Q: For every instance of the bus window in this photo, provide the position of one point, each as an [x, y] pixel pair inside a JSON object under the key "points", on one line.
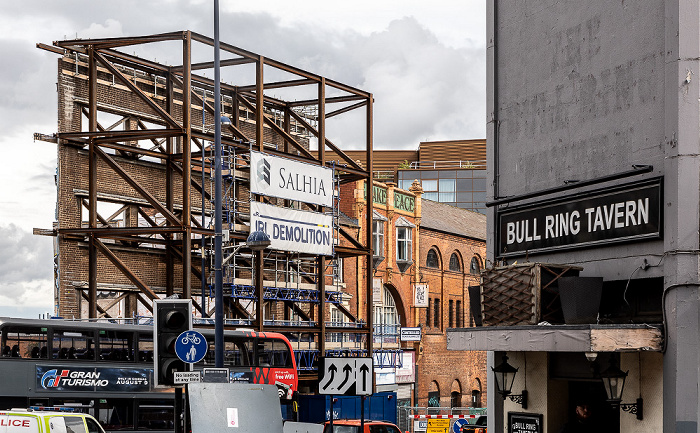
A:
{"points": [[238, 352], [146, 347], [115, 346], [156, 415], [24, 342], [117, 415], [73, 344], [273, 353]]}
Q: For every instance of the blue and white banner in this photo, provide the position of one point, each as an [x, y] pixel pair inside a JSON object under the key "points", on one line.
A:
{"points": [[289, 179], [293, 230]]}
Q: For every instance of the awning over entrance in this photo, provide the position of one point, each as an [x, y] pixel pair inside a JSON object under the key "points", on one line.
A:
{"points": [[558, 338]]}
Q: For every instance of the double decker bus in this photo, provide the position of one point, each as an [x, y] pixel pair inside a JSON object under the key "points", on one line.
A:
{"points": [[106, 369]]}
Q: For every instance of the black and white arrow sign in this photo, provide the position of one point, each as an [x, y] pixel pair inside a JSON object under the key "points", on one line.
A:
{"points": [[351, 376]]}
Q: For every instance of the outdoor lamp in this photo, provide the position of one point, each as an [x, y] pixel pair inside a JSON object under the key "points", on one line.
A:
{"points": [[258, 241], [614, 382], [505, 376]]}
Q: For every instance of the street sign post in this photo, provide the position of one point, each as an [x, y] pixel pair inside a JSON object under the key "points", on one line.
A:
{"points": [[183, 377], [410, 334], [191, 346], [347, 376], [438, 425]]}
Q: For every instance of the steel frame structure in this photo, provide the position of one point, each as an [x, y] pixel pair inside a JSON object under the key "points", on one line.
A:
{"points": [[167, 125]]}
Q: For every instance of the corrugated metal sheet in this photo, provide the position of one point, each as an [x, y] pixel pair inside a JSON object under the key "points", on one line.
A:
{"points": [[385, 160], [453, 150]]}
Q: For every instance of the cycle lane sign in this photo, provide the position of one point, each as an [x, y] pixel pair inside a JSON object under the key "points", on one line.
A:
{"points": [[190, 346]]}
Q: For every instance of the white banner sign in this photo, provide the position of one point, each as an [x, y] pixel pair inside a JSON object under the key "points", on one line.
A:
{"points": [[420, 295], [289, 179], [293, 230]]}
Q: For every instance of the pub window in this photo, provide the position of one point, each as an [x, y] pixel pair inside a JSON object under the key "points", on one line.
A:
{"points": [[455, 266], [475, 266], [436, 312], [378, 222], [432, 260], [404, 238]]}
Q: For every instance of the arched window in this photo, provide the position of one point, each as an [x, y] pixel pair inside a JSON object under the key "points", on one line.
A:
{"points": [[434, 395], [475, 266], [432, 260], [455, 266]]}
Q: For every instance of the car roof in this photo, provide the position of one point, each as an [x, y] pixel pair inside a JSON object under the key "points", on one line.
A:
{"points": [[357, 422]]}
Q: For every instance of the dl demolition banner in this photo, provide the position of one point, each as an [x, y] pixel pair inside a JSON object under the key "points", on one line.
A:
{"points": [[293, 230]]}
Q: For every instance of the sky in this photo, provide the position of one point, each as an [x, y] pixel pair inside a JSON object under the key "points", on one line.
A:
{"points": [[408, 54]]}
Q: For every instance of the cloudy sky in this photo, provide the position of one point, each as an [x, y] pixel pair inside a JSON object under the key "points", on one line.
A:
{"points": [[408, 53]]}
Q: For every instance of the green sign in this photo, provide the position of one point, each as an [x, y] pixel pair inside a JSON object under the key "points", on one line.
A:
{"points": [[404, 202], [378, 194]]}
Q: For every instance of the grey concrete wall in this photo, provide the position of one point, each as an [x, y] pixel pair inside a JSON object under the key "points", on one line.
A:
{"points": [[579, 90]]}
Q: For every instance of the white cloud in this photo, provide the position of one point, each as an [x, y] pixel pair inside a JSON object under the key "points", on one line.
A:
{"points": [[423, 62]]}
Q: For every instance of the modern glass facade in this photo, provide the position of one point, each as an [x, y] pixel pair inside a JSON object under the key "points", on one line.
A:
{"points": [[463, 188]]}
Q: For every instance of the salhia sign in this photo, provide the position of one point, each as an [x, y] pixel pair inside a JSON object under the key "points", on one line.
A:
{"points": [[628, 212], [289, 179], [293, 230]]}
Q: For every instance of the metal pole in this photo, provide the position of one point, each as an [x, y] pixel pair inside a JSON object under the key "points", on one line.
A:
{"points": [[218, 275], [204, 216]]}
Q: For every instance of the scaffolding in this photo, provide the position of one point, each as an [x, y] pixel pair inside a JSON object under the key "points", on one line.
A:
{"points": [[135, 134]]}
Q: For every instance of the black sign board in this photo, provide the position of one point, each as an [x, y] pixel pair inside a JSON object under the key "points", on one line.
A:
{"points": [[625, 213], [68, 378], [524, 422], [215, 375]]}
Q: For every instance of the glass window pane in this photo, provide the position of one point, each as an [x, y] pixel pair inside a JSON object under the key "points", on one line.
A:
{"points": [[479, 196], [447, 185], [429, 174], [480, 184], [70, 344], [447, 174], [464, 174], [74, 424], [464, 197], [116, 346], [430, 185], [431, 196], [25, 342], [464, 185], [446, 197]]}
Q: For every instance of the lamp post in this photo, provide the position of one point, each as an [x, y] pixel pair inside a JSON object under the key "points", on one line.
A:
{"points": [[505, 376]]}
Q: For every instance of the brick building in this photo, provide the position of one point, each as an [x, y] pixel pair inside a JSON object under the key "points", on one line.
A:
{"points": [[436, 247]]}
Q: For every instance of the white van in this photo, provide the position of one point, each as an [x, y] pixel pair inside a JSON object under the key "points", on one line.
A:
{"points": [[47, 421]]}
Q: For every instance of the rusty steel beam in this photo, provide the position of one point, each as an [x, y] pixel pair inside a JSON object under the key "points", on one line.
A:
{"points": [[147, 99], [104, 43], [355, 168], [187, 167], [333, 100], [125, 270], [92, 183], [279, 85], [346, 109], [210, 65], [134, 184]]}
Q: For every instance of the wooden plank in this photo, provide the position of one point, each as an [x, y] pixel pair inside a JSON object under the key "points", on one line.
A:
{"points": [[621, 340]]}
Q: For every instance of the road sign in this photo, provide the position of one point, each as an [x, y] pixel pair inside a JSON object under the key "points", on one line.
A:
{"points": [[457, 426], [191, 346], [340, 374], [182, 377], [410, 334], [438, 425], [420, 424], [215, 375]]}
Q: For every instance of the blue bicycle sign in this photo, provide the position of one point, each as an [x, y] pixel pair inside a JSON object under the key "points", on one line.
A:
{"points": [[191, 346]]}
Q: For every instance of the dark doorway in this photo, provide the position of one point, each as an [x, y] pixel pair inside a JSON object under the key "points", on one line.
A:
{"points": [[605, 418]]}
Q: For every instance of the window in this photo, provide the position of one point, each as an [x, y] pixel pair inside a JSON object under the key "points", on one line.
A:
{"points": [[427, 313], [338, 270], [378, 238], [455, 266], [436, 312], [432, 261], [434, 399], [386, 319], [378, 221], [475, 266], [459, 314], [451, 312], [404, 240]]}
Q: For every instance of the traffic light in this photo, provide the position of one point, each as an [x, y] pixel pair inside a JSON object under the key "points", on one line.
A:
{"points": [[171, 317]]}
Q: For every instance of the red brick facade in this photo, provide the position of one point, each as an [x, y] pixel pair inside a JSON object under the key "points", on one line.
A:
{"points": [[459, 378]]}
